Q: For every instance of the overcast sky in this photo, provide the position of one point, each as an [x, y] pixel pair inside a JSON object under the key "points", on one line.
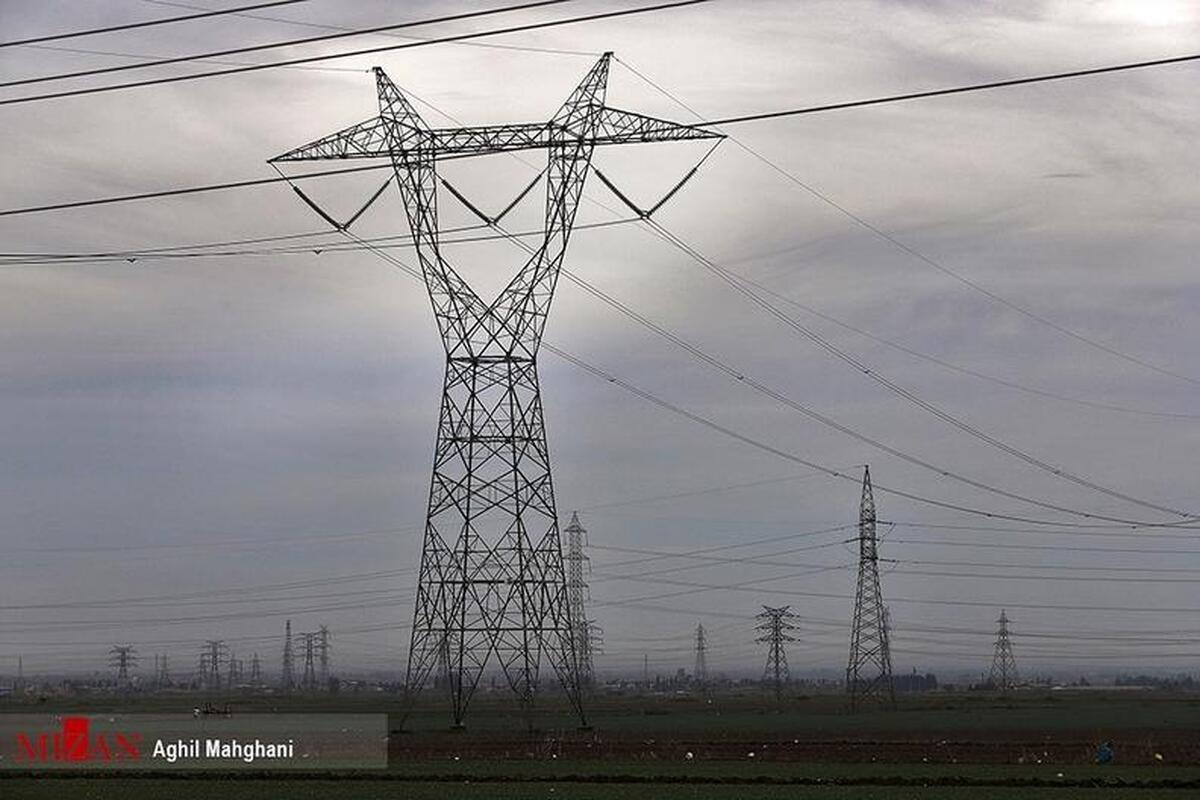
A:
{"points": [[172, 427]]}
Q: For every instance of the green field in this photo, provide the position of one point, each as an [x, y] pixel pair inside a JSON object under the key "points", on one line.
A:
{"points": [[742, 745]]}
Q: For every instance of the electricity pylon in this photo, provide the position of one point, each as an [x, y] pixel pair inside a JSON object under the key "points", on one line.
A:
{"points": [[1004, 667], [255, 672], [288, 674], [121, 658], [581, 627], [492, 582], [776, 627], [869, 674], [309, 680], [323, 648], [700, 674], [210, 663]]}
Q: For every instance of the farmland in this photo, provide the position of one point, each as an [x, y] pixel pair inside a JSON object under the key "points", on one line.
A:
{"points": [[1036, 744]]}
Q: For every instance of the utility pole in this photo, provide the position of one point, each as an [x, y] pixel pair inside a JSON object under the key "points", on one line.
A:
{"points": [[577, 589], [19, 685], [255, 672], [1004, 667], [776, 627], [323, 656], [492, 578], [700, 675], [121, 658], [163, 677], [869, 673], [288, 674]]}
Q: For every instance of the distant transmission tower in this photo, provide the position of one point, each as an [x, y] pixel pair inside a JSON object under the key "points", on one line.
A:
{"points": [[776, 627], [1004, 667], [581, 627], [163, 677], [700, 675], [210, 663], [122, 658], [309, 682], [255, 671], [869, 674], [492, 579], [323, 648], [288, 673]]}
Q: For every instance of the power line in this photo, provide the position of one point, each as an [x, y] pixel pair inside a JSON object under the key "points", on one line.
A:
{"points": [[725, 430], [974, 87], [920, 256], [147, 23], [256, 48], [370, 50], [739, 376], [732, 280], [323, 173], [317, 25]]}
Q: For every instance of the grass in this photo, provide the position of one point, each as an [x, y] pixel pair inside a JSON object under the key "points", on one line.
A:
{"points": [[124, 789]]}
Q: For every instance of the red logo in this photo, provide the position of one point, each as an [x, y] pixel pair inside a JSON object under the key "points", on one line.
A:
{"points": [[75, 742]]}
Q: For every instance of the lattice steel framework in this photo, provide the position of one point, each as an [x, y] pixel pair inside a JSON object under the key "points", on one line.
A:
{"points": [[776, 626], [492, 583], [122, 657], [287, 674], [1004, 674], [581, 626], [869, 673], [700, 672]]}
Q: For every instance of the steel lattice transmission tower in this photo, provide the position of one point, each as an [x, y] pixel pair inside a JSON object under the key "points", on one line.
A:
{"points": [[211, 657], [577, 591], [121, 658], [492, 582], [700, 674], [288, 674], [1004, 667], [776, 627], [869, 673], [255, 672], [309, 680], [323, 648]]}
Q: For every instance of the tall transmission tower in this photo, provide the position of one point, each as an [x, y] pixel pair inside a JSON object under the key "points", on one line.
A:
{"points": [[121, 658], [163, 678], [323, 648], [255, 672], [288, 673], [577, 590], [210, 663], [19, 683], [1004, 667], [776, 627], [700, 675], [492, 579], [309, 681], [869, 673], [233, 674]]}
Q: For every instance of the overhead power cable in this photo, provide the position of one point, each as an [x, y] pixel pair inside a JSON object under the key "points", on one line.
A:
{"points": [[732, 280], [263, 181], [366, 51], [258, 48], [323, 26], [953, 90], [919, 255], [712, 425], [53, 37]]}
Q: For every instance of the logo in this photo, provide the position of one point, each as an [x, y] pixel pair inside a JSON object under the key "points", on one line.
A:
{"points": [[76, 743]]}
